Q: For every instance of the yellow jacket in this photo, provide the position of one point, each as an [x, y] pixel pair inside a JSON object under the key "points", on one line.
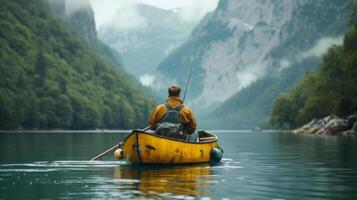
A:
{"points": [[186, 114]]}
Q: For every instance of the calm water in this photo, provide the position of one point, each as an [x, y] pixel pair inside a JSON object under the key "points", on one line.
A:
{"points": [[255, 166]]}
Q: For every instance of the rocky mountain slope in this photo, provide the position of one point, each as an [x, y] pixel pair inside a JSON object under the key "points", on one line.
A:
{"points": [[144, 45], [247, 52]]}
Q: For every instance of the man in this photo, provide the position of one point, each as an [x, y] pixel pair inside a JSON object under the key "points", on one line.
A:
{"points": [[173, 119]]}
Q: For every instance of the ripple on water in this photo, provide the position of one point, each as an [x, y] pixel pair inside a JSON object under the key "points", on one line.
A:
{"points": [[49, 166]]}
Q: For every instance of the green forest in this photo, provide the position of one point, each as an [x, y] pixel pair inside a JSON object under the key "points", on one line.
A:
{"points": [[52, 79], [330, 90]]}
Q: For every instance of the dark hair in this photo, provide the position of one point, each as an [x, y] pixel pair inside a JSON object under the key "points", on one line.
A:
{"points": [[174, 90]]}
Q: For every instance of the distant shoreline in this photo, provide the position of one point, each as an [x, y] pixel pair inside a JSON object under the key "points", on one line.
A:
{"points": [[65, 131], [120, 131]]}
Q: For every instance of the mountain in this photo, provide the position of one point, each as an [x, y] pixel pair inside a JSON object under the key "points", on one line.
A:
{"points": [[251, 106], [79, 16], [52, 77], [330, 90], [247, 52], [143, 44]]}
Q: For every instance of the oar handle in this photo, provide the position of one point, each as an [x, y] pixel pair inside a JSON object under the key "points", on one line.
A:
{"points": [[145, 129]]}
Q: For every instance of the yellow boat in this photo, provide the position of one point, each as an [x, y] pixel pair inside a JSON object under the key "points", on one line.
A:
{"points": [[149, 148]]}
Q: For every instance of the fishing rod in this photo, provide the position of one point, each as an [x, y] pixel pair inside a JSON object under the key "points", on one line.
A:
{"points": [[188, 81]]}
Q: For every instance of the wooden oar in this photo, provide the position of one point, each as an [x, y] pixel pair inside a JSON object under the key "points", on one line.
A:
{"points": [[113, 147], [107, 151]]}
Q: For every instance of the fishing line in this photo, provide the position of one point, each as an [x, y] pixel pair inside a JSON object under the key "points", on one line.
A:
{"points": [[188, 81]]}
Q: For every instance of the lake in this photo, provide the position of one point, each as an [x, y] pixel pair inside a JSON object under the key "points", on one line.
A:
{"points": [[255, 166]]}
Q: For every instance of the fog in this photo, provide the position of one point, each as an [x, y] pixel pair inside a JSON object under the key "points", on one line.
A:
{"points": [[123, 14], [316, 51], [322, 46], [72, 6], [147, 79]]}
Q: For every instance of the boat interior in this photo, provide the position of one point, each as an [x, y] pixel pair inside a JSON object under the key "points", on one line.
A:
{"points": [[206, 137], [203, 135]]}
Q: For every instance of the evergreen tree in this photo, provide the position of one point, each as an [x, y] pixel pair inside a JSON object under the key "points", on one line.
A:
{"points": [[331, 90], [51, 78]]}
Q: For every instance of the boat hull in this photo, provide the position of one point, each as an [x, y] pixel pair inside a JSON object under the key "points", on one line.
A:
{"points": [[148, 148]]}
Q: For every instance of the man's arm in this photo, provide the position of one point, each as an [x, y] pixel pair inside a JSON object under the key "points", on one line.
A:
{"points": [[156, 115], [189, 119], [152, 118], [193, 123]]}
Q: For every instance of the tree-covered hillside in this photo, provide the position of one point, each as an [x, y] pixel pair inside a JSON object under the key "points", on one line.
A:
{"points": [[329, 90], [250, 107], [82, 21], [51, 78]]}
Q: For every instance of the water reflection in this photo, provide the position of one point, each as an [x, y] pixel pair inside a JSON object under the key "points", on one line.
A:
{"points": [[255, 166], [178, 181], [333, 151]]}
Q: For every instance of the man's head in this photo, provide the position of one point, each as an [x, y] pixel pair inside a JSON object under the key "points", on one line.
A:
{"points": [[174, 90]]}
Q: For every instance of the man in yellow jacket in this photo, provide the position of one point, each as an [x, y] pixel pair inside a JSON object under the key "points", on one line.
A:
{"points": [[174, 119]]}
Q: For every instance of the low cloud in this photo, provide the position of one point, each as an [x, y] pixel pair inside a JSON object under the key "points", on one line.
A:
{"points": [[171, 48], [316, 51], [70, 6], [124, 15], [245, 78], [147, 79], [321, 47], [197, 9], [118, 14], [284, 63], [73, 6]]}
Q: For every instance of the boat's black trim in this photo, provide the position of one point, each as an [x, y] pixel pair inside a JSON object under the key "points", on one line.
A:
{"points": [[138, 147]]}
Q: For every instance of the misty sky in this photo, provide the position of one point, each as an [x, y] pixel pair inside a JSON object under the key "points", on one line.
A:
{"points": [[106, 11]]}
